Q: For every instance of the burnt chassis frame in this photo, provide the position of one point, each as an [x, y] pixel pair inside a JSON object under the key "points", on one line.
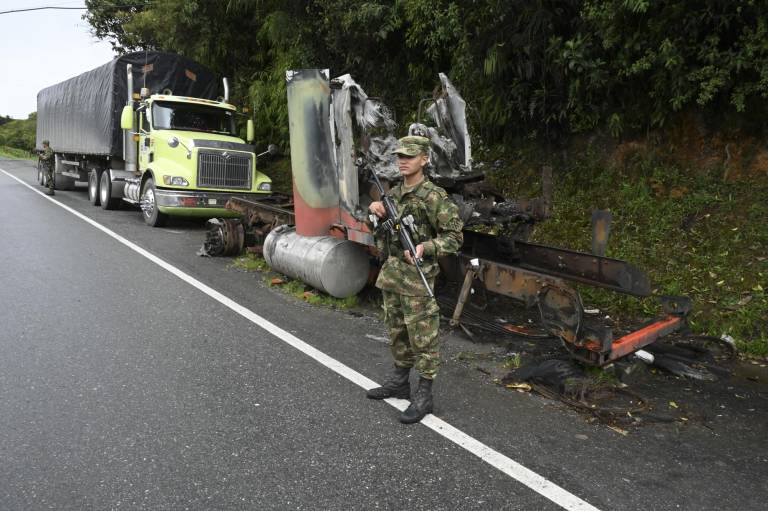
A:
{"points": [[560, 308], [534, 275]]}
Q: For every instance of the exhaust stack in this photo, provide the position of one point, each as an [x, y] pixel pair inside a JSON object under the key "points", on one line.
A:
{"points": [[129, 146]]}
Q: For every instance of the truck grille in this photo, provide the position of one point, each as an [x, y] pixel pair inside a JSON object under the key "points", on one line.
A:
{"points": [[223, 170]]}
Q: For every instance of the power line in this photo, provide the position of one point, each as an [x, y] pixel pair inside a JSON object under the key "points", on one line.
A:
{"points": [[53, 7], [42, 9]]}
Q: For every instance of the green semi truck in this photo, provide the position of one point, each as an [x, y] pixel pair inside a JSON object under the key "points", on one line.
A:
{"points": [[150, 129]]}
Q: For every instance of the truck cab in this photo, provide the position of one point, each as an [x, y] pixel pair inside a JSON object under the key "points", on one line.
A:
{"points": [[190, 160]]}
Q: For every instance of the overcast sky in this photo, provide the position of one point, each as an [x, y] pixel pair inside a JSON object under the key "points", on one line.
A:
{"points": [[41, 48]]}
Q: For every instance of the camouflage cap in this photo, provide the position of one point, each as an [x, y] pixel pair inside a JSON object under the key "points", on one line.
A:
{"points": [[45, 142], [412, 146]]}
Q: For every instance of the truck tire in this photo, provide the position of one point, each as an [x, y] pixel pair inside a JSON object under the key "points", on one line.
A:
{"points": [[63, 182], [94, 177], [40, 174], [105, 192], [152, 215], [60, 181]]}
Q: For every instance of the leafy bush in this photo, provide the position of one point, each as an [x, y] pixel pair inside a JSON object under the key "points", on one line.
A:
{"points": [[19, 134]]}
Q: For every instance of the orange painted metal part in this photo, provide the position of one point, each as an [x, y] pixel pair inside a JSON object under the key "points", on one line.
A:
{"points": [[313, 221], [645, 336], [351, 222]]}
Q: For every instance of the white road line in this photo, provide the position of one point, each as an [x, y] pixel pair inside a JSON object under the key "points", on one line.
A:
{"points": [[515, 470]]}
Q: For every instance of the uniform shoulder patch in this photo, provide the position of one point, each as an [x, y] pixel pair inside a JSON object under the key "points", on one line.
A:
{"points": [[430, 188]]}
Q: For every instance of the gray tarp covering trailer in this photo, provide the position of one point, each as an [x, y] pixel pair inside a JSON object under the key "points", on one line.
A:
{"points": [[82, 115]]}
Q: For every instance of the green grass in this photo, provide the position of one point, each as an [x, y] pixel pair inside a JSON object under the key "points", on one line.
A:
{"points": [[12, 152], [512, 362], [600, 375], [253, 263], [692, 233]]}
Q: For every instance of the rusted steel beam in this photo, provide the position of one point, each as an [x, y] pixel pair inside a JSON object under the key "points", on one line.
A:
{"points": [[599, 351], [614, 274], [511, 281], [273, 211], [645, 336]]}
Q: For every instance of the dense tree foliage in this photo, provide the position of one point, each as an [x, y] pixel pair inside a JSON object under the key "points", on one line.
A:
{"points": [[649, 59], [541, 68]]}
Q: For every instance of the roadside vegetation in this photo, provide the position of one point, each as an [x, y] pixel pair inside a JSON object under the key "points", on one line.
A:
{"points": [[13, 152], [693, 232], [252, 263], [17, 137]]}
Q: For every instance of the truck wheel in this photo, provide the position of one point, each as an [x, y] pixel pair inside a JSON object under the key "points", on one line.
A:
{"points": [[40, 174], [152, 215], [105, 192], [93, 187]]}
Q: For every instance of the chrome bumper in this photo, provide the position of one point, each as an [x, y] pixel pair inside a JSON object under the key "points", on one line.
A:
{"points": [[196, 199]]}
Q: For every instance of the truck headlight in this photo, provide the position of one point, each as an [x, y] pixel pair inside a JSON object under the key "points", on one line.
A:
{"points": [[175, 181], [265, 187]]}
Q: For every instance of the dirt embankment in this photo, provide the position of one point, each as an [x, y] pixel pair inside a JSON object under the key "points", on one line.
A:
{"points": [[690, 143]]}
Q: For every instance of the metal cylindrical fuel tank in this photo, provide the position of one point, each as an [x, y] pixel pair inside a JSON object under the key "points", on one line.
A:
{"points": [[335, 266]]}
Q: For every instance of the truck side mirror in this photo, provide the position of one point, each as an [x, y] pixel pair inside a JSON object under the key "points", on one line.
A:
{"points": [[272, 150], [126, 118], [249, 132]]}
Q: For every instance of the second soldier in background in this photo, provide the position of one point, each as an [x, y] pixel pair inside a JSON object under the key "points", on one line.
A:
{"points": [[46, 161]]}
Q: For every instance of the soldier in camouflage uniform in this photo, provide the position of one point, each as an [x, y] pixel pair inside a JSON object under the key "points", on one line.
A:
{"points": [[411, 316], [46, 160]]}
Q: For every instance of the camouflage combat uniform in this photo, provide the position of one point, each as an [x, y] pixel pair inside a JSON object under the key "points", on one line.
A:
{"points": [[411, 316], [47, 162]]}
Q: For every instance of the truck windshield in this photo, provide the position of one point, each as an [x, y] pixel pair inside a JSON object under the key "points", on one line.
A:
{"points": [[189, 117]]}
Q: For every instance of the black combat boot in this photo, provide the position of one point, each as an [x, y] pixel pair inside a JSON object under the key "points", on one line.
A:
{"points": [[396, 386], [421, 404], [49, 191]]}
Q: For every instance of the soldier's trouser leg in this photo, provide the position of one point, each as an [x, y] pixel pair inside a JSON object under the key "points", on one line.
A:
{"points": [[399, 344], [413, 323], [422, 317], [49, 178]]}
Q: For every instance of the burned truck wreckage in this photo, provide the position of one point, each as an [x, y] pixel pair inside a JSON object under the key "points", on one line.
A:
{"points": [[339, 136]]}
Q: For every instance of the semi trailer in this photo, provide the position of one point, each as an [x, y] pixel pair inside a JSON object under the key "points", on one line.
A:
{"points": [[150, 129]]}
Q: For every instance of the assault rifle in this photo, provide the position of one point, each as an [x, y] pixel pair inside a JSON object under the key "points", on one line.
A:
{"points": [[401, 227]]}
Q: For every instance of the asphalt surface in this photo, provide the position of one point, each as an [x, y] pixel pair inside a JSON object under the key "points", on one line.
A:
{"points": [[123, 387]]}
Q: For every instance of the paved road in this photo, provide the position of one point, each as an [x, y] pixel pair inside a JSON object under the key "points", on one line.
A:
{"points": [[123, 386]]}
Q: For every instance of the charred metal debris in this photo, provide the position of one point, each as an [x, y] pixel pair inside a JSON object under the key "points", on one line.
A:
{"points": [[339, 136]]}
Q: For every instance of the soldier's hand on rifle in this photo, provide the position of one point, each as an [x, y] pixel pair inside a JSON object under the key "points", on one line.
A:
{"points": [[419, 254], [377, 208]]}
